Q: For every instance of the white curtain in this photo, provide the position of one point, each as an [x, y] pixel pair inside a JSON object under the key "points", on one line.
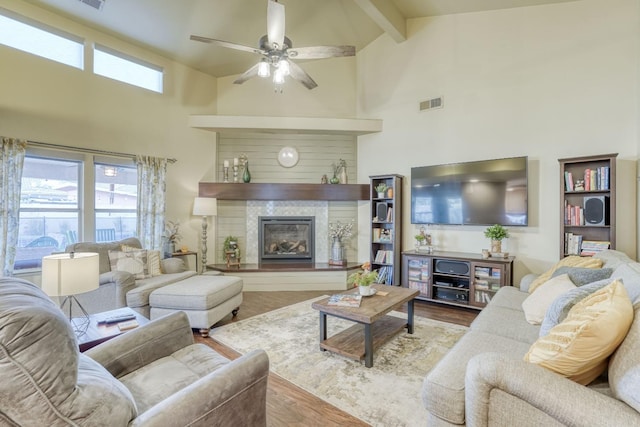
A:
{"points": [[11, 161], [152, 173]]}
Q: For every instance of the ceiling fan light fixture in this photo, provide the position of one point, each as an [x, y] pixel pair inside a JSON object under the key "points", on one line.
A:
{"points": [[278, 77], [283, 67], [264, 70]]}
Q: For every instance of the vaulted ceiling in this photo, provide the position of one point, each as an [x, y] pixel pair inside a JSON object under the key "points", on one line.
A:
{"points": [[164, 26]]}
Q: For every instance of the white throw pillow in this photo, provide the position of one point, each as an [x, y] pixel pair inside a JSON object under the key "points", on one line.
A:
{"points": [[153, 259], [134, 262], [537, 303]]}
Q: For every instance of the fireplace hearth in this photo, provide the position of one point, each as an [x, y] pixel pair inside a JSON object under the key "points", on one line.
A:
{"points": [[286, 239]]}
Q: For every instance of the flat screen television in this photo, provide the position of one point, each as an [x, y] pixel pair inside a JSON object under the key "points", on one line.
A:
{"points": [[484, 192]]}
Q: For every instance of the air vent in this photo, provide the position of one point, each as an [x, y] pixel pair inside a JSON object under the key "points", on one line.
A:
{"points": [[96, 4], [430, 104]]}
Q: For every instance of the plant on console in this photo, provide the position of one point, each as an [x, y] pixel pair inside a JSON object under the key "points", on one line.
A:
{"points": [[496, 233]]}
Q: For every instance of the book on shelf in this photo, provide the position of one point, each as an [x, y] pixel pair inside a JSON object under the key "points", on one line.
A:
{"points": [[573, 215], [345, 300], [384, 257], [389, 214], [568, 181], [596, 179], [592, 247], [385, 275], [572, 243]]}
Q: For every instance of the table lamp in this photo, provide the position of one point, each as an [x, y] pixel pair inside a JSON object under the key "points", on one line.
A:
{"points": [[67, 275], [205, 206]]}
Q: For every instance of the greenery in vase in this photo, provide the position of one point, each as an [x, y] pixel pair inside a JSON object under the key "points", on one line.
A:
{"points": [[172, 232], [340, 230], [496, 232], [363, 277], [420, 238], [381, 188]]}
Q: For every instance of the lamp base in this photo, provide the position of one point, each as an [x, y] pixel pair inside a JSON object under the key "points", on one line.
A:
{"points": [[79, 324]]}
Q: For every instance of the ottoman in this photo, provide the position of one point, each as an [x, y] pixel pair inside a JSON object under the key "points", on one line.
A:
{"points": [[205, 299]]}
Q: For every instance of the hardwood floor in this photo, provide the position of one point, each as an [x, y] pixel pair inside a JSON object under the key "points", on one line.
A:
{"points": [[289, 405]]}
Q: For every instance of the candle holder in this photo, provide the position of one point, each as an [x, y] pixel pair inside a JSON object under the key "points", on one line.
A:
{"points": [[225, 177], [235, 173]]}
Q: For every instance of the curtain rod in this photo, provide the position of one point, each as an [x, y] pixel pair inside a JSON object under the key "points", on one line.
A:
{"points": [[86, 150]]}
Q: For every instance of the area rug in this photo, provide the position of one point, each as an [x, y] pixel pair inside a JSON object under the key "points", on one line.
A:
{"points": [[388, 394]]}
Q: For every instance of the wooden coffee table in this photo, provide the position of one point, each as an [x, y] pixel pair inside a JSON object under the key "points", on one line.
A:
{"points": [[370, 316], [98, 332]]}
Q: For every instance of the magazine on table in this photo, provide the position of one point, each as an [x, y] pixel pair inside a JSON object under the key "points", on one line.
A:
{"points": [[345, 300]]}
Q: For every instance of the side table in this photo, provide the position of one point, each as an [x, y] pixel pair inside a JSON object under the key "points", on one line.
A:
{"points": [[99, 333], [181, 254]]}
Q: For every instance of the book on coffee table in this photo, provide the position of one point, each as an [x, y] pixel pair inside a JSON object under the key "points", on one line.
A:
{"points": [[345, 300]]}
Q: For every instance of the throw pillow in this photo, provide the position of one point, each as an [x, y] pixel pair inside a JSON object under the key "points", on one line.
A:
{"points": [[560, 307], [134, 262], [581, 276], [537, 303], [570, 261], [578, 347], [153, 259]]}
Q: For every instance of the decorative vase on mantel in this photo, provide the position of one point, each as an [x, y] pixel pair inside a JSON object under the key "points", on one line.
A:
{"points": [[496, 246], [246, 176], [337, 252]]}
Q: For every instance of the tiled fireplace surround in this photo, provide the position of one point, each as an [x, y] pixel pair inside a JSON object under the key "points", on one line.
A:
{"points": [[317, 209]]}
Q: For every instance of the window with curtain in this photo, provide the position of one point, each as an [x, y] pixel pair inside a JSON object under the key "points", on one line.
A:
{"points": [[68, 197], [116, 198], [50, 203]]}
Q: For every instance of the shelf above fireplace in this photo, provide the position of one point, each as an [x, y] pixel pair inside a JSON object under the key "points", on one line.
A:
{"points": [[262, 191]]}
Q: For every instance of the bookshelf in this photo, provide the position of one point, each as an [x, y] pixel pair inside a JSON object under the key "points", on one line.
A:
{"points": [[587, 204], [386, 227]]}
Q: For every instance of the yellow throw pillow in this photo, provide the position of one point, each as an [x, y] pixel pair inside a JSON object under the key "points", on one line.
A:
{"points": [[536, 304], [578, 347], [570, 261]]}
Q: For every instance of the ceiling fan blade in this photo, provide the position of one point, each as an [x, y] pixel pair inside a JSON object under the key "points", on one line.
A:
{"points": [[300, 75], [320, 52], [275, 23], [251, 72], [228, 44]]}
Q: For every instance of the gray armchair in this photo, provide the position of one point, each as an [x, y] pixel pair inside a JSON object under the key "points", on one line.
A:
{"points": [[151, 376]]}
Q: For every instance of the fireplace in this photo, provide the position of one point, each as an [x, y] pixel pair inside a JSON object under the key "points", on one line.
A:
{"points": [[286, 239]]}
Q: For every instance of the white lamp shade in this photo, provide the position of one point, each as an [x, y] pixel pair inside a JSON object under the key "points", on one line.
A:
{"points": [[70, 273], [205, 206]]}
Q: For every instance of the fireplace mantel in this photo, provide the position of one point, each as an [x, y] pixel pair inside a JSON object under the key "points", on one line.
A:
{"points": [[263, 191]]}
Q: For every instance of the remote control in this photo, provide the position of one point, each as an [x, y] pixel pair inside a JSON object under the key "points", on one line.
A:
{"points": [[116, 319]]}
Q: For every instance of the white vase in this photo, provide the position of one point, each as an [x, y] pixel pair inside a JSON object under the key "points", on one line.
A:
{"points": [[337, 250], [365, 290]]}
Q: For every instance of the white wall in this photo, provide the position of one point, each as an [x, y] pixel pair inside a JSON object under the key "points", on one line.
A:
{"points": [[546, 82], [45, 101]]}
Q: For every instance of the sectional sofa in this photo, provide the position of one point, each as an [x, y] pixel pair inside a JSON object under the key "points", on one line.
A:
{"points": [[120, 288], [484, 380]]}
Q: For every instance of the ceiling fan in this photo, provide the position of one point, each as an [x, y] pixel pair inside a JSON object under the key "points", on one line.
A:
{"points": [[277, 51]]}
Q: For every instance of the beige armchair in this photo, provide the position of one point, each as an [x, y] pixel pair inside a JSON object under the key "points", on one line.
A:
{"points": [[151, 376]]}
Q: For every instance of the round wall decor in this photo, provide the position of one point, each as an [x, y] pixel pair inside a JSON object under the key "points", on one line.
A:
{"points": [[288, 157]]}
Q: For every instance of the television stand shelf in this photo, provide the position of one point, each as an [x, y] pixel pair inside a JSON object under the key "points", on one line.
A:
{"points": [[456, 278]]}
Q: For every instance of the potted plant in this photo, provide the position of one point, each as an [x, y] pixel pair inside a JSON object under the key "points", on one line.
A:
{"points": [[496, 233], [363, 279], [380, 189]]}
